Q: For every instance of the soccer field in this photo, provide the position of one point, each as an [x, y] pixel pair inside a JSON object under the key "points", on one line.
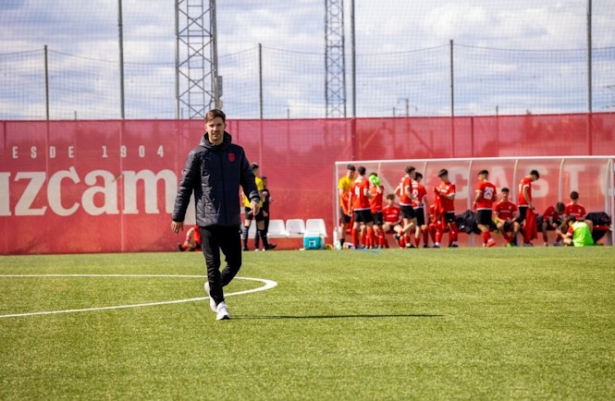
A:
{"points": [[423, 324]]}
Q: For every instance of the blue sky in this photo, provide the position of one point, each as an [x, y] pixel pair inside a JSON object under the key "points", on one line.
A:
{"points": [[393, 65]]}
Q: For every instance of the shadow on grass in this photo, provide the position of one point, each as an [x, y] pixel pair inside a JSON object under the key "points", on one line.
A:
{"points": [[247, 317]]}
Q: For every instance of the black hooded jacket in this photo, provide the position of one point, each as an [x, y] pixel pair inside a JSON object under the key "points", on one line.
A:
{"points": [[214, 174]]}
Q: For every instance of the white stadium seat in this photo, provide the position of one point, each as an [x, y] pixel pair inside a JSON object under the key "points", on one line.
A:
{"points": [[295, 228]]}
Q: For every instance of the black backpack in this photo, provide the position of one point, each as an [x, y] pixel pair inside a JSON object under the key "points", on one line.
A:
{"points": [[466, 222], [599, 219]]}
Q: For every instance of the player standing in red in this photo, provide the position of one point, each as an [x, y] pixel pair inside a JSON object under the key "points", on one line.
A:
{"points": [[359, 199], [574, 208], [404, 191], [375, 234], [391, 215], [420, 205], [551, 220], [445, 194], [526, 207], [435, 227], [483, 203], [343, 188], [506, 218]]}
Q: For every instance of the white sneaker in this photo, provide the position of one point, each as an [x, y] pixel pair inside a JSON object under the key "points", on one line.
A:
{"points": [[212, 303], [222, 312]]}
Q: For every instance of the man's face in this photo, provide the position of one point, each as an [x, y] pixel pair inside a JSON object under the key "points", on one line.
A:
{"points": [[390, 201], [350, 173], [505, 196], [215, 130]]}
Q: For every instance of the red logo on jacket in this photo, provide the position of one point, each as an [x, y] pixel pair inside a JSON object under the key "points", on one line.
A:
{"points": [[231, 157]]}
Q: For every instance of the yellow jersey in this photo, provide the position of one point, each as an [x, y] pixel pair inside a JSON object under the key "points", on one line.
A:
{"points": [[344, 184], [260, 187]]}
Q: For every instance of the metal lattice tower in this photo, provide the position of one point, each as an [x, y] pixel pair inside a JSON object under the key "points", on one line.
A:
{"points": [[335, 59], [198, 87]]}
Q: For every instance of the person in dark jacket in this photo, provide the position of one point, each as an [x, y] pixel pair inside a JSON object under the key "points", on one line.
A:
{"points": [[214, 171]]}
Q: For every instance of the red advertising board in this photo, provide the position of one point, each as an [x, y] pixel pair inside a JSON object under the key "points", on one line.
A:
{"points": [[109, 186]]}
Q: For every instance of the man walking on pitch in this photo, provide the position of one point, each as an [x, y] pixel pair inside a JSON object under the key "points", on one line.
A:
{"points": [[214, 171]]}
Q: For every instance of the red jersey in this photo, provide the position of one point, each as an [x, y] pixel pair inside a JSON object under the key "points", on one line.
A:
{"points": [[404, 199], [446, 188], [375, 202], [487, 193], [419, 192], [505, 210], [551, 213], [358, 194], [525, 183], [578, 211], [391, 214]]}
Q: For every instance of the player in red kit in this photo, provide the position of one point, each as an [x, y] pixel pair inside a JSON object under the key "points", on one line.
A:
{"points": [[505, 213], [524, 203], [375, 234], [404, 191], [435, 226], [420, 205], [551, 220], [359, 200], [483, 203], [391, 215], [574, 208], [445, 194]]}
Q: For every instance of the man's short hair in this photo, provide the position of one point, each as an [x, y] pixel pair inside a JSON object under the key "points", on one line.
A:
{"points": [[570, 219], [574, 195], [391, 196], [253, 166], [211, 114], [350, 167], [418, 175], [410, 169], [264, 177], [560, 207], [485, 172], [361, 170], [442, 172], [505, 189], [535, 172]]}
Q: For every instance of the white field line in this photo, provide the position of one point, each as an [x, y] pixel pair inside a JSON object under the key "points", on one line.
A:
{"points": [[269, 284]]}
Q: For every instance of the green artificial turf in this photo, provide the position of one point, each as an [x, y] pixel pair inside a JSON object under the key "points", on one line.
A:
{"points": [[424, 324]]}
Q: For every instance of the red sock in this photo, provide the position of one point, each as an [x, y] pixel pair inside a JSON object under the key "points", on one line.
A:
{"points": [[425, 235], [438, 236], [402, 241], [381, 239], [558, 238], [453, 233], [545, 238], [417, 241], [355, 237]]}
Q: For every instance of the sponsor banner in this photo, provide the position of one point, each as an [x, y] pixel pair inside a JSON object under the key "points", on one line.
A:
{"points": [[109, 186]]}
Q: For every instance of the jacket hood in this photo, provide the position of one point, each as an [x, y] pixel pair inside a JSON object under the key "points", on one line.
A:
{"points": [[227, 139]]}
